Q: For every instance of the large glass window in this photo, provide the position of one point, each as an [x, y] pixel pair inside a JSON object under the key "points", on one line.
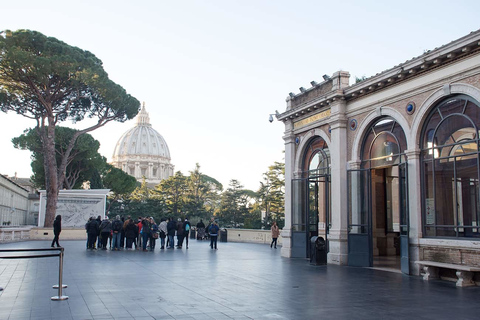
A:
{"points": [[450, 170], [384, 144]]}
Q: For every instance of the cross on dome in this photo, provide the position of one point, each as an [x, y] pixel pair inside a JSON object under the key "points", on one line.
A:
{"points": [[142, 118]]}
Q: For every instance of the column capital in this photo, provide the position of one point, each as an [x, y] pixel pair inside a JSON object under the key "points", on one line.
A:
{"points": [[413, 154]]}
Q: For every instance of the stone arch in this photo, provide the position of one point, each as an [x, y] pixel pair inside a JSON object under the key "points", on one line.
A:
{"points": [[432, 100], [371, 117], [304, 143]]}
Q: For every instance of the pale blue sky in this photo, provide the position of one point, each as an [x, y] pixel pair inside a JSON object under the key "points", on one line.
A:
{"points": [[211, 72]]}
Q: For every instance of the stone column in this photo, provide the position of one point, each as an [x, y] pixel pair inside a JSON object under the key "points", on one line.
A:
{"points": [[150, 170], [138, 173], [414, 208], [286, 234], [338, 247]]}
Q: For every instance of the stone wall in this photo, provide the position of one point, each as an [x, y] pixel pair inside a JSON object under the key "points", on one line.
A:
{"points": [[251, 236]]}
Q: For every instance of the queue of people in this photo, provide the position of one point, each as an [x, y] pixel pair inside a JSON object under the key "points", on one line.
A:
{"points": [[141, 234]]}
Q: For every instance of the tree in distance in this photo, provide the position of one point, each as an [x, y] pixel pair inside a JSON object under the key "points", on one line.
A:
{"points": [[49, 81]]}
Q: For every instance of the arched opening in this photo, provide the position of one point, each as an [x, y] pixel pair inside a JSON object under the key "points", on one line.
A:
{"points": [[378, 219], [450, 170], [311, 198]]}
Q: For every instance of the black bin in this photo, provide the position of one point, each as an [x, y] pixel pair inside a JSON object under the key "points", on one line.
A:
{"points": [[223, 235], [193, 233], [318, 251]]}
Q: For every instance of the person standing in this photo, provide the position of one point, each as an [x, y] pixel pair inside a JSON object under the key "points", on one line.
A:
{"points": [[146, 232], [179, 233], [92, 231], [122, 234], [171, 228], [117, 226], [163, 232], [153, 234], [105, 230], [99, 235], [213, 231], [275, 234], [139, 237], [130, 233], [57, 228], [200, 230], [186, 230]]}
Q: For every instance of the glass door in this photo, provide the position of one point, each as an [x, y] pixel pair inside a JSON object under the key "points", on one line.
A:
{"points": [[359, 220]]}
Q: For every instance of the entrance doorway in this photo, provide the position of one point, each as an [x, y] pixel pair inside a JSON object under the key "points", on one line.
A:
{"points": [[311, 199], [378, 202], [385, 218]]}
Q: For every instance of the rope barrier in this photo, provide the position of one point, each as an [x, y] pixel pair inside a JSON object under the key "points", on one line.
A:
{"points": [[60, 254]]}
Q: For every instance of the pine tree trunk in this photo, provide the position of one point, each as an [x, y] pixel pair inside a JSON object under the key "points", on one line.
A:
{"points": [[51, 178]]}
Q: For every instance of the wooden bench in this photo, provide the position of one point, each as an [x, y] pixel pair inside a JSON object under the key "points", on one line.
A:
{"points": [[464, 273]]}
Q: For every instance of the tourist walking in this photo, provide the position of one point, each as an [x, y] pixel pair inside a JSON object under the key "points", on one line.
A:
{"points": [[105, 230], [213, 231], [117, 226], [275, 234], [186, 230], [57, 228], [171, 228], [200, 230], [163, 232]]}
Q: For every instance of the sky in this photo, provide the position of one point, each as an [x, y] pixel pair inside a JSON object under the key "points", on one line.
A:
{"points": [[211, 72]]}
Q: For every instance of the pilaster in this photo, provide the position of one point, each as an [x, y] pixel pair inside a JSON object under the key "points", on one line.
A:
{"points": [[286, 234], [338, 246], [414, 208]]}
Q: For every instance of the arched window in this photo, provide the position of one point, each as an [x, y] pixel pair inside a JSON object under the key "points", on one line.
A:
{"points": [[317, 158], [384, 144], [450, 171]]}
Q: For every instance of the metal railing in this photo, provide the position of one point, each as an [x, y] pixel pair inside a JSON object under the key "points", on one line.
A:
{"points": [[59, 254]]}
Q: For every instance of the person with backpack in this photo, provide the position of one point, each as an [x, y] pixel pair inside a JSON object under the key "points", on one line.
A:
{"points": [[186, 230], [117, 226], [213, 231]]}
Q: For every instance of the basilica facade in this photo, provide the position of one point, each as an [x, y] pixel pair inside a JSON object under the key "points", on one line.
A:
{"points": [[143, 152], [387, 170]]}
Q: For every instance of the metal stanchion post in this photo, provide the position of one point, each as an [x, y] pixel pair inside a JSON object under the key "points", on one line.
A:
{"points": [[60, 278]]}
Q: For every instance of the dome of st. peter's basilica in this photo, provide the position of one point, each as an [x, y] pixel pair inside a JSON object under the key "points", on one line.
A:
{"points": [[143, 152]]}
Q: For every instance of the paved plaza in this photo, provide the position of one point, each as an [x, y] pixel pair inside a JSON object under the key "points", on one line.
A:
{"points": [[238, 281]]}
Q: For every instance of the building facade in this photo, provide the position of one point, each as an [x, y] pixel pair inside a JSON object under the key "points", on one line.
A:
{"points": [[14, 203], [387, 169], [143, 152]]}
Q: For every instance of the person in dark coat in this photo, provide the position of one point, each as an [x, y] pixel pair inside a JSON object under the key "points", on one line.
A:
{"points": [[186, 230], [180, 235], [213, 230], [171, 228], [146, 232], [57, 228], [130, 233], [105, 230], [92, 228]]}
